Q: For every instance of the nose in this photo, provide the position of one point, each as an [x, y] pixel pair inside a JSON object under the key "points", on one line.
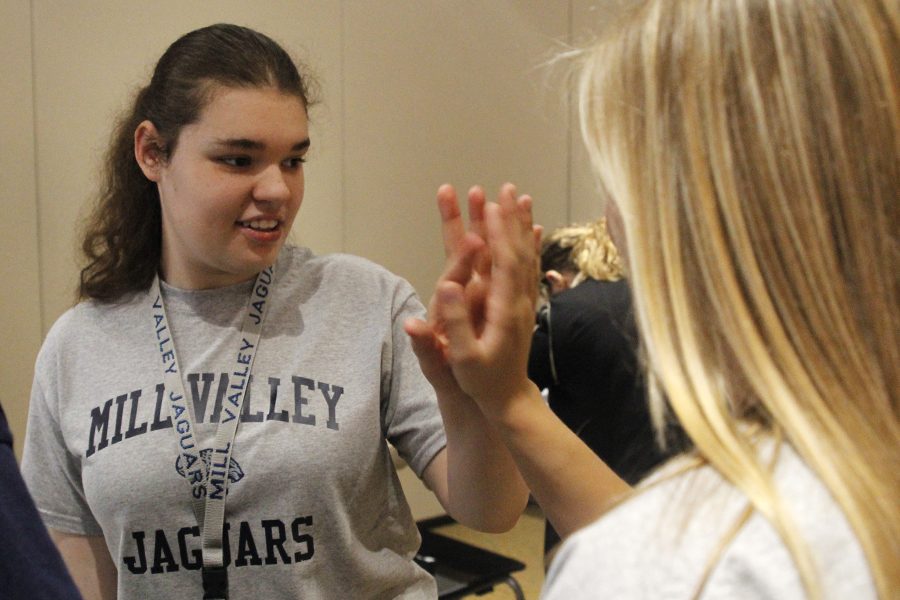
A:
{"points": [[272, 186]]}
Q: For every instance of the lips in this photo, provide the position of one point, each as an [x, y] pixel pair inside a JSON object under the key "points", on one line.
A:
{"points": [[260, 224]]}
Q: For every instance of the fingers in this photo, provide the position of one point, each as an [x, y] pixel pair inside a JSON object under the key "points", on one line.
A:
{"points": [[511, 237], [454, 318], [477, 202], [538, 237], [425, 344], [504, 228], [418, 330], [529, 236], [461, 260], [430, 352], [523, 204], [481, 316], [452, 227], [538, 231]]}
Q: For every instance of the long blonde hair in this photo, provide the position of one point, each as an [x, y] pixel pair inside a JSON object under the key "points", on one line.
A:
{"points": [[753, 149]]}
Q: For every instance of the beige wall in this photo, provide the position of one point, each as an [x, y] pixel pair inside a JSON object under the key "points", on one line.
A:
{"points": [[415, 93], [20, 310]]}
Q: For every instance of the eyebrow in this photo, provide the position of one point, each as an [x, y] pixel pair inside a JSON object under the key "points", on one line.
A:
{"points": [[248, 144]]}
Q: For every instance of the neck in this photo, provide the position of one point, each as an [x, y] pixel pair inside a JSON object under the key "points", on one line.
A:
{"points": [[206, 283]]}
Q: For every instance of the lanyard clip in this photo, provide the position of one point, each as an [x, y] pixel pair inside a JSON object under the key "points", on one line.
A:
{"points": [[215, 583]]}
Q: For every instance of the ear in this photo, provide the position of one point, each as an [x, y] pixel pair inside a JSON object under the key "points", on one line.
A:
{"points": [[558, 282], [148, 150]]}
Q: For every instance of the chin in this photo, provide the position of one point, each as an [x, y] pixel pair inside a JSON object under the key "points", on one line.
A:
{"points": [[263, 258]]}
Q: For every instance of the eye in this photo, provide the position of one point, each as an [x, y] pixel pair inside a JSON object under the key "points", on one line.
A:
{"points": [[236, 161], [295, 162]]}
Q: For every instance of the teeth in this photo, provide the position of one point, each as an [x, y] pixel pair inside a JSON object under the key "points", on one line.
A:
{"points": [[260, 225]]}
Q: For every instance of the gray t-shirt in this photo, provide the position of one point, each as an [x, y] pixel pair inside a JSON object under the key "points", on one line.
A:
{"points": [[659, 544], [314, 506]]}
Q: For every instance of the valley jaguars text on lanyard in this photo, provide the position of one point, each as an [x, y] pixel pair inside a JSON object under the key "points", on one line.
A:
{"points": [[209, 482]]}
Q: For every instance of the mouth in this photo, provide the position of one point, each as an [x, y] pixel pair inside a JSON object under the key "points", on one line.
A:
{"points": [[260, 224]]}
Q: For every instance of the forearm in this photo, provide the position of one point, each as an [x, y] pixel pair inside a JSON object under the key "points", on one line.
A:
{"points": [[89, 563], [572, 485], [484, 489]]}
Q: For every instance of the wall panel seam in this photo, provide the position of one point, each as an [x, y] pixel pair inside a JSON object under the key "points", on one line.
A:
{"points": [[570, 113], [342, 108], [42, 309]]}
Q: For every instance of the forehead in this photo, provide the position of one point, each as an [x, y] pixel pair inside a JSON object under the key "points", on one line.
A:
{"points": [[254, 114]]}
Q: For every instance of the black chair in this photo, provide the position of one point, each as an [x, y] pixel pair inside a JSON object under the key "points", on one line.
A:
{"points": [[461, 569]]}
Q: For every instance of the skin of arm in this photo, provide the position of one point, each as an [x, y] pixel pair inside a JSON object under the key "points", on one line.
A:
{"points": [[474, 477], [89, 563], [485, 346]]}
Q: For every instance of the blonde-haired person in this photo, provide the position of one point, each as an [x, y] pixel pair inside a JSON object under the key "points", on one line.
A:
{"points": [[573, 253], [584, 355], [753, 151]]}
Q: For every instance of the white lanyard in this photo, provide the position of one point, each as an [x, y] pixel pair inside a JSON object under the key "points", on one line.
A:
{"points": [[209, 486]]}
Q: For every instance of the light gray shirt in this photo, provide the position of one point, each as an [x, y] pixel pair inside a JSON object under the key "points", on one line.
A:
{"points": [[314, 506], [660, 543]]}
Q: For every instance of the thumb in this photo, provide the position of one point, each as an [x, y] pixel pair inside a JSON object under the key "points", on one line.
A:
{"points": [[427, 349], [419, 333], [424, 342], [455, 320]]}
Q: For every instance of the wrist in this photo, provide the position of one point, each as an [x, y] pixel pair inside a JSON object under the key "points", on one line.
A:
{"points": [[512, 410]]}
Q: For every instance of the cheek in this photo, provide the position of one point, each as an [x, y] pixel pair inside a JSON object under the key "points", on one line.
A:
{"points": [[297, 193], [194, 208], [176, 193]]}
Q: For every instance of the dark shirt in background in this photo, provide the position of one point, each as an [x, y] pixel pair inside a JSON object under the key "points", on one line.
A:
{"points": [[598, 389]]}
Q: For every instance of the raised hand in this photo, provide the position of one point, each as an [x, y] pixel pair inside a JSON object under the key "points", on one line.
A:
{"points": [[475, 276], [474, 350], [468, 263], [487, 347], [475, 476], [470, 270]]}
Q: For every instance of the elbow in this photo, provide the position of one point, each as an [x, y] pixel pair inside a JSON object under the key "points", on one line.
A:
{"points": [[496, 525], [489, 525], [501, 519]]}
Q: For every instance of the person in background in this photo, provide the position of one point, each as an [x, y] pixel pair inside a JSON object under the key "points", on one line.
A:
{"points": [[30, 565], [576, 253], [584, 353], [751, 150], [212, 419]]}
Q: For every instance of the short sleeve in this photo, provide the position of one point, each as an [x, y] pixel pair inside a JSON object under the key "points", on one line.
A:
{"points": [[410, 413], [51, 471]]}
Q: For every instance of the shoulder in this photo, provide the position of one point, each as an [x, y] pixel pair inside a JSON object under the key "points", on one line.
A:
{"points": [[666, 536], [592, 299], [88, 319], [758, 559], [592, 291], [643, 547], [298, 260], [85, 336], [597, 313], [345, 277]]}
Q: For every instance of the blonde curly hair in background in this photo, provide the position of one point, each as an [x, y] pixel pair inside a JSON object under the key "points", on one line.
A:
{"points": [[591, 252]]}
